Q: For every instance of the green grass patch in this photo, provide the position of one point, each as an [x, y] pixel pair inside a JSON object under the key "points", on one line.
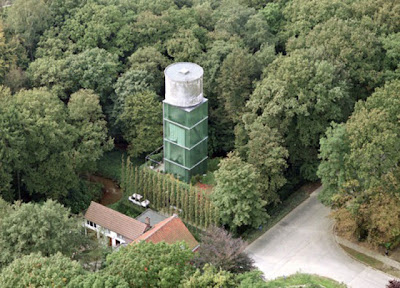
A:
{"points": [[371, 261], [126, 207], [362, 257], [304, 281], [109, 165], [277, 213]]}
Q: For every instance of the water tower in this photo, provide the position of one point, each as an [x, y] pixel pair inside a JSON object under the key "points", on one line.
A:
{"points": [[185, 113]]}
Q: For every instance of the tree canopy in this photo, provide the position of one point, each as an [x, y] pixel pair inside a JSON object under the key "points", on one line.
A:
{"points": [[35, 270], [46, 228], [276, 74], [220, 249], [47, 144], [237, 193], [151, 265], [359, 165]]}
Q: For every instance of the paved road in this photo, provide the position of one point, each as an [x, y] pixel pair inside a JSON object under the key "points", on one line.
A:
{"points": [[303, 241]]}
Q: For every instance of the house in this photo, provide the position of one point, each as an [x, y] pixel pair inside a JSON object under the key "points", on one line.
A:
{"points": [[117, 228], [170, 230], [150, 226]]}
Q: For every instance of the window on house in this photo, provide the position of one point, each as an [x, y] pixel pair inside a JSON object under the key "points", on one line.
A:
{"points": [[90, 223], [117, 242]]}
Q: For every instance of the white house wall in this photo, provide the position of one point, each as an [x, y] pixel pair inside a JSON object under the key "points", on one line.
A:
{"points": [[107, 233]]}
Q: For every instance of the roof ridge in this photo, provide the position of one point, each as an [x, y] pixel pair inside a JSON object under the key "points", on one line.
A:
{"points": [[115, 221], [158, 226], [122, 214]]}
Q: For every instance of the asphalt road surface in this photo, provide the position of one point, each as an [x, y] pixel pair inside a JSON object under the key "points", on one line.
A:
{"points": [[303, 242]]}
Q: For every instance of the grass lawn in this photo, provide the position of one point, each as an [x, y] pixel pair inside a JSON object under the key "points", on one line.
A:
{"points": [[109, 165], [304, 281], [371, 261], [277, 214]]}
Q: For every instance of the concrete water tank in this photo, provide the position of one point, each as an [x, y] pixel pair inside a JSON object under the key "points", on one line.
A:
{"points": [[184, 84]]}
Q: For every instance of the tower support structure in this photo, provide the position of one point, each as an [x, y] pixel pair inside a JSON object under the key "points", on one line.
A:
{"points": [[185, 117]]}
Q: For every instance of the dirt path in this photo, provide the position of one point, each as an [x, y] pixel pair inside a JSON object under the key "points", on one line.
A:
{"points": [[111, 191]]}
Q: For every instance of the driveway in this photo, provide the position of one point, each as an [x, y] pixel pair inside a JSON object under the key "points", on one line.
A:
{"points": [[303, 242]]}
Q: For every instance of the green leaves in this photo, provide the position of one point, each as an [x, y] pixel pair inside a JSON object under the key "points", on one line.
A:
{"points": [[359, 166], [35, 270], [299, 96], [91, 142], [94, 69], [142, 122], [45, 145], [151, 265], [237, 194], [31, 228]]}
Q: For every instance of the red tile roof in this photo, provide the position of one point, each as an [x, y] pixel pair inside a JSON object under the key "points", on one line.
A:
{"points": [[170, 230], [108, 218]]}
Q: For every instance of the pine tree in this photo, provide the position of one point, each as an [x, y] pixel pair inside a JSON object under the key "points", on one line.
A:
{"points": [[130, 188], [157, 197], [172, 197], [196, 208], [186, 211], [216, 216], [152, 186], [163, 192], [210, 213], [182, 197], [201, 209], [136, 179], [191, 206], [123, 176], [178, 196], [206, 212]]}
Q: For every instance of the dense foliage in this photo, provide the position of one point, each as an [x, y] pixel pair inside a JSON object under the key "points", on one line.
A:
{"points": [[393, 284], [277, 73], [46, 145], [166, 194], [359, 168], [35, 270], [237, 194], [151, 265], [220, 249], [31, 228]]}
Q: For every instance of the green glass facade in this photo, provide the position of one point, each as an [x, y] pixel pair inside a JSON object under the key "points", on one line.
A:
{"points": [[185, 140]]}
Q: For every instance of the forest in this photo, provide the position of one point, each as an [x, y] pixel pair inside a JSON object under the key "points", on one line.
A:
{"points": [[299, 90]]}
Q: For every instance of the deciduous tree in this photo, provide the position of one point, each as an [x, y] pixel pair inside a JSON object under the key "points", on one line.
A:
{"points": [[151, 265], [35, 270], [98, 280], [220, 249], [46, 228], [237, 193], [142, 122], [91, 141]]}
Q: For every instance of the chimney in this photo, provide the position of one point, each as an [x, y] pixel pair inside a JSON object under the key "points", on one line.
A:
{"points": [[147, 222]]}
